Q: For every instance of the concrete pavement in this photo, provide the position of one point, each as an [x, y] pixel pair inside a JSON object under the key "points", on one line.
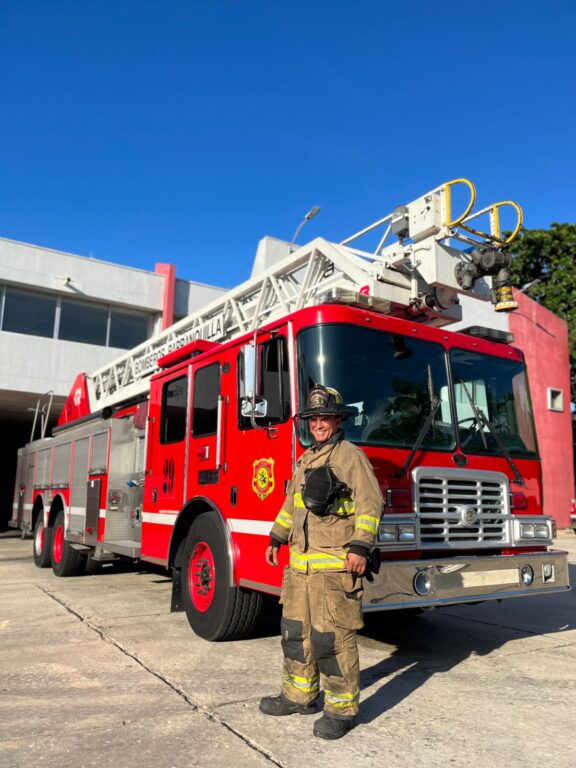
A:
{"points": [[95, 671]]}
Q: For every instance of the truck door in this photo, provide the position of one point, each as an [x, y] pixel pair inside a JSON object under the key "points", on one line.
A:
{"points": [[263, 456], [164, 488]]}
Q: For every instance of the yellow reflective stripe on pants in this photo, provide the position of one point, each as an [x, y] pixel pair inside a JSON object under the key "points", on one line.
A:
{"points": [[303, 684], [319, 562], [341, 700], [284, 519], [368, 523]]}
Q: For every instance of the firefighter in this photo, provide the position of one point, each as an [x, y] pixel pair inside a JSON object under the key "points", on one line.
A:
{"points": [[330, 518]]}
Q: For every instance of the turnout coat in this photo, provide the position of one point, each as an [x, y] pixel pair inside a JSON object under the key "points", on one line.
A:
{"points": [[322, 543]]}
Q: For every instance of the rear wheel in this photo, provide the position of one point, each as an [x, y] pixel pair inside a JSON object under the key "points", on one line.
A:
{"points": [[215, 610], [42, 543], [65, 560]]}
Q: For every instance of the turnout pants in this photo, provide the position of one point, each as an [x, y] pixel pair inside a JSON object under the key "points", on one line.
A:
{"points": [[320, 615]]}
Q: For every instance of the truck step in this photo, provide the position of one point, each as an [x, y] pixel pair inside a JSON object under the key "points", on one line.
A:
{"points": [[124, 547]]}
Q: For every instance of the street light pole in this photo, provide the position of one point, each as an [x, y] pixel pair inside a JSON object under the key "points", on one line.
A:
{"points": [[310, 215], [527, 286]]}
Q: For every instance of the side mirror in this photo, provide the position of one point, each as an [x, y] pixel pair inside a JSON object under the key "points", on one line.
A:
{"points": [[248, 371], [260, 407]]}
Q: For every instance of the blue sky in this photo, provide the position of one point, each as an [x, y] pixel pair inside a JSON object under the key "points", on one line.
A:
{"points": [[183, 131]]}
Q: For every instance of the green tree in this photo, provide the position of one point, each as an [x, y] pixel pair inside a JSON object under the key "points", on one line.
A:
{"points": [[549, 257]]}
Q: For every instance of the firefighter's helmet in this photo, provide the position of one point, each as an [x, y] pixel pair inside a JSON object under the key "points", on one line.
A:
{"points": [[325, 401]]}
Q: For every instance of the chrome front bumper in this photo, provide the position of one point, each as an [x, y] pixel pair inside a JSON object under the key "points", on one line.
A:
{"points": [[465, 580]]}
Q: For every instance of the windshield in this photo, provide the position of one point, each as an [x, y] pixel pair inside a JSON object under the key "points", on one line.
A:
{"points": [[391, 380], [498, 388]]}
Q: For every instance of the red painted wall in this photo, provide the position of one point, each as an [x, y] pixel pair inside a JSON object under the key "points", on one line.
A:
{"points": [[543, 338]]}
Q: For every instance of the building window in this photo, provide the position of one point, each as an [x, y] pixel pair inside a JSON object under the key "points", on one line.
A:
{"points": [[30, 313], [127, 330], [58, 317], [83, 322], [555, 400]]}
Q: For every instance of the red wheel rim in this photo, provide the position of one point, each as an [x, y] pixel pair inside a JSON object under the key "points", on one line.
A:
{"points": [[202, 577], [39, 542], [58, 543]]}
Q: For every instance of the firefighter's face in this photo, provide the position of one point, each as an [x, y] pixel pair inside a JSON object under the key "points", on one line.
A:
{"points": [[323, 427]]}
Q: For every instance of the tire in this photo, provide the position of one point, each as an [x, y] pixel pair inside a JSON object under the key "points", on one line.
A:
{"points": [[215, 610], [65, 560], [42, 544]]}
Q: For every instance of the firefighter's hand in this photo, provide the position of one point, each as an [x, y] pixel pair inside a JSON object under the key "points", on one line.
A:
{"points": [[272, 555], [355, 564]]}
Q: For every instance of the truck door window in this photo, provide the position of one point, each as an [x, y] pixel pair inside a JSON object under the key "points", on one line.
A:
{"points": [[273, 384], [205, 406], [173, 415]]}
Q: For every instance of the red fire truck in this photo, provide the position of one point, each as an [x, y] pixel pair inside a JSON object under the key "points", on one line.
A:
{"points": [[178, 452]]}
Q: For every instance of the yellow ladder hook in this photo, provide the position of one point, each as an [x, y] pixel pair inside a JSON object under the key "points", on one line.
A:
{"points": [[495, 230], [447, 189]]}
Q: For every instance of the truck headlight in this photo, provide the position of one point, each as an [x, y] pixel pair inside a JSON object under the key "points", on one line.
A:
{"points": [[527, 530], [406, 533], [388, 533], [534, 530], [541, 531]]}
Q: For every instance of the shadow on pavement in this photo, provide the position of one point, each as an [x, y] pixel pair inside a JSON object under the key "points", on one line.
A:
{"points": [[424, 646]]}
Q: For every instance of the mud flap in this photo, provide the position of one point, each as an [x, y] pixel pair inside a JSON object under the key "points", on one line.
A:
{"points": [[176, 603]]}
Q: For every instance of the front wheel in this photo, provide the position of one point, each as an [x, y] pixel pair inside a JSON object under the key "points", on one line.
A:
{"points": [[65, 560], [42, 543], [215, 610]]}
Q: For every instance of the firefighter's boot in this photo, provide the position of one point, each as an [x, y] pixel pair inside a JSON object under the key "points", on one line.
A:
{"points": [[332, 728], [278, 706]]}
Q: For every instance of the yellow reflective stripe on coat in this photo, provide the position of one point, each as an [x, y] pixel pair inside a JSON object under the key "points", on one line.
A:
{"points": [[320, 562], [284, 519], [368, 523], [342, 699], [344, 508], [298, 502], [303, 684]]}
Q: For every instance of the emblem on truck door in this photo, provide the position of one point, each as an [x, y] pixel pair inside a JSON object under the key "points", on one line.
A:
{"points": [[263, 478]]}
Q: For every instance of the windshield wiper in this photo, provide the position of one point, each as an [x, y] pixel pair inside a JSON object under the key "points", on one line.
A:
{"points": [[482, 421], [431, 396], [435, 404], [477, 418]]}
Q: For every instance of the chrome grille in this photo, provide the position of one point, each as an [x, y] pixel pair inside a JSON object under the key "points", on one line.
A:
{"points": [[461, 509]]}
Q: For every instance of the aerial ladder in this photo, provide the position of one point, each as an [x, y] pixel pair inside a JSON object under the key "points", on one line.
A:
{"points": [[425, 256]]}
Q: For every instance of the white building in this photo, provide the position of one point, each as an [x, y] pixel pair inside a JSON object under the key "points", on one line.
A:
{"points": [[61, 314]]}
